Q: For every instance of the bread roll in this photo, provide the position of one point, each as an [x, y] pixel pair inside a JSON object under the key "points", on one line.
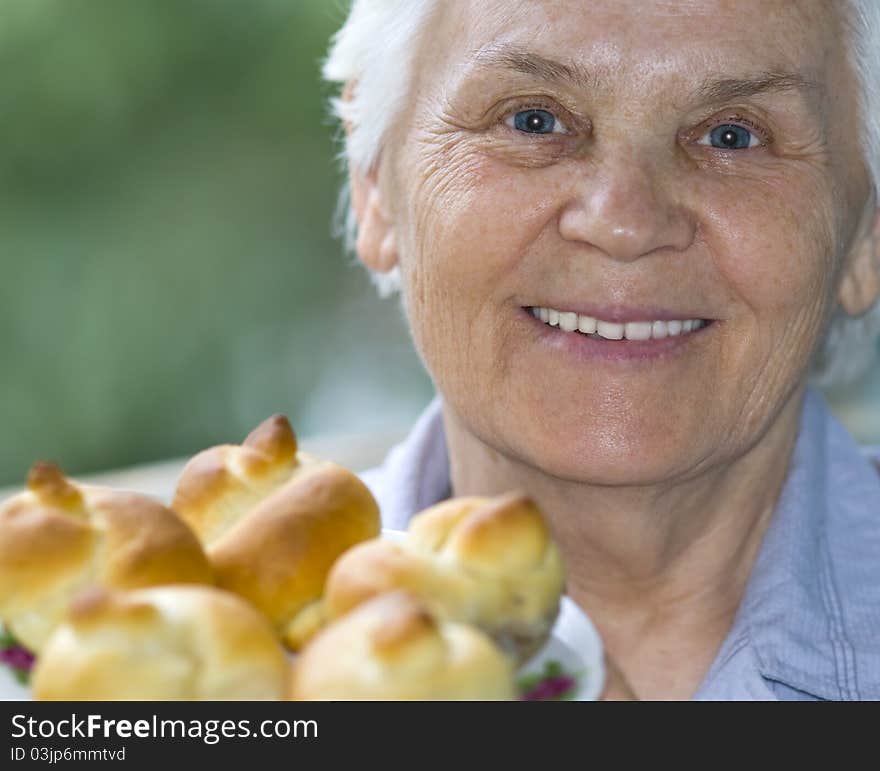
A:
{"points": [[487, 562], [391, 647], [58, 537], [169, 642], [220, 485], [274, 521]]}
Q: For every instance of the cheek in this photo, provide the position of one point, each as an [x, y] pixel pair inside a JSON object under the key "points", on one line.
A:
{"points": [[472, 214], [471, 220], [774, 248]]}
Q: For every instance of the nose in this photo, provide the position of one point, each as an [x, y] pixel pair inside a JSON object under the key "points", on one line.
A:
{"points": [[627, 208]]}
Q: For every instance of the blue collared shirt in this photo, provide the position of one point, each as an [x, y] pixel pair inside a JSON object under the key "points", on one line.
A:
{"points": [[808, 626]]}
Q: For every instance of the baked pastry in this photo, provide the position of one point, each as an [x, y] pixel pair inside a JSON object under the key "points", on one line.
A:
{"points": [[221, 484], [490, 562], [58, 537], [274, 521], [168, 642], [391, 647]]}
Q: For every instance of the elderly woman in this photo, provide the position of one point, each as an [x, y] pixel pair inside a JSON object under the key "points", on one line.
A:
{"points": [[627, 233]]}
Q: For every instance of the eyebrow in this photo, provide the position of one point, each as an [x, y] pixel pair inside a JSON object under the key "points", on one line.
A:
{"points": [[711, 91], [731, 89], [530, 63]]}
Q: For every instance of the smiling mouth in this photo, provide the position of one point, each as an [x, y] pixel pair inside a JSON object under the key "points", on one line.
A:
{"points": [[597, 329]]}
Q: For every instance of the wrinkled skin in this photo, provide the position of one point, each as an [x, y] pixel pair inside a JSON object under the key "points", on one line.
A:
{"points": [[657, 473]]}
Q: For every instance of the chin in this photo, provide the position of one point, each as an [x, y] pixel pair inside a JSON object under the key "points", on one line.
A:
{"points": [[596, 455], [602, 470]]}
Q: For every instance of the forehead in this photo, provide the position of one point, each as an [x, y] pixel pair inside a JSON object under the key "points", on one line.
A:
{"points": [[641, 39]]}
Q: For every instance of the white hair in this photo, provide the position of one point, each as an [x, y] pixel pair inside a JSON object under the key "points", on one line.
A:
{"points": [[374, 50]]}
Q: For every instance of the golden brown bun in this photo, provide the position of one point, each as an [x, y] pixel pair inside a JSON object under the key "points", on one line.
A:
{"points": [[392, 648], [490, 562], [274, 521], [219, 485], [169, 642], [58, 537]]}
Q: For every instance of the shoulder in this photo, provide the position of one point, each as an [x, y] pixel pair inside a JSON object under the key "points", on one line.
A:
{"points": [[811, 611], [841, 490]]}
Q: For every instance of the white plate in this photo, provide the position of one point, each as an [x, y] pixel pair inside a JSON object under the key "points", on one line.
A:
{"points": [[10, 688], [574, 643]]}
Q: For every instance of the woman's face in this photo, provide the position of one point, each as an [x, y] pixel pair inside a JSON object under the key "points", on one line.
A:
{"points": [[643, 161]]}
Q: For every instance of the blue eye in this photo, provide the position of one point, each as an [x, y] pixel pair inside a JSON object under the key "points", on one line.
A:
{"points": [[729, 136], [537, 122]]}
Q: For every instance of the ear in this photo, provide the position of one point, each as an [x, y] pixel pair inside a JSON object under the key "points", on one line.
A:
{"points": [[860, 285], [377, 238]]}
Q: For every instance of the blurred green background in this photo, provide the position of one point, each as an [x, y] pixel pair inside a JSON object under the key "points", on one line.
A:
{"points": [[169, 276], [168, 178]]}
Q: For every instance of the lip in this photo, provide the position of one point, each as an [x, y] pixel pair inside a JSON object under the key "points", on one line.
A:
{"points": [[579, 346]]}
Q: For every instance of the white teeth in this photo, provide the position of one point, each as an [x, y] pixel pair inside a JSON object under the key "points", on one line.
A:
{"points": [[637, 330], [609, 330], [586, 324], [568, 321]]}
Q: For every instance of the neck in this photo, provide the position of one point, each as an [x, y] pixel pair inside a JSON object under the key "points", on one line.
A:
{"points": [[661, 569]]}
